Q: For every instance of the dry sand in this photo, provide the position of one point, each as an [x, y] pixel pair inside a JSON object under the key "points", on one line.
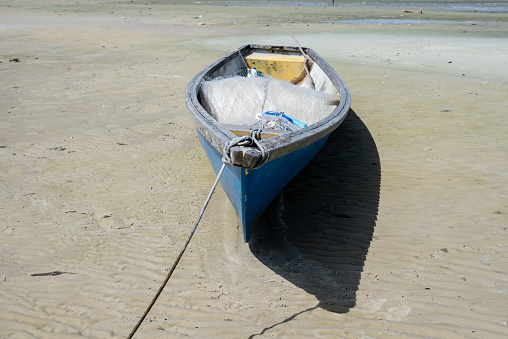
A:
{"points": [[397, 229]]}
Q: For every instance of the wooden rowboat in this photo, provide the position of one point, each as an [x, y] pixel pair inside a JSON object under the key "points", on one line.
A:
{"points": [[259, 165]]}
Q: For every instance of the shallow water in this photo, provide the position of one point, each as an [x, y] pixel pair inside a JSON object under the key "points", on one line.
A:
{"points": [[397, 21], [459, 6]]}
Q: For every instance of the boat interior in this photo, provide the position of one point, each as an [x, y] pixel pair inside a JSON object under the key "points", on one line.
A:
{"points": [[291, 68]]}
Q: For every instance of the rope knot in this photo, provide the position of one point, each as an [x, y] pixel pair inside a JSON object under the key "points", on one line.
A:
{"points": [[248, 141]]}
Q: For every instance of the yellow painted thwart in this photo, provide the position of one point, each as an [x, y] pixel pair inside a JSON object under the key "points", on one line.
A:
{"points": [[284, 67]]}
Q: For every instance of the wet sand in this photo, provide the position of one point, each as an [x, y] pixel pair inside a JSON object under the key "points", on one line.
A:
{"points": [[397, 229]]}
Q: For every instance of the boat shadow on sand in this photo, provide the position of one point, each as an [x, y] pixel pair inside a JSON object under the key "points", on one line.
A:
{"points": [[317, 232]]}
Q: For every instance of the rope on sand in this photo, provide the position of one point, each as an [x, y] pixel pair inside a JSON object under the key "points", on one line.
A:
{"points": [[179, 255], [240, 141]]}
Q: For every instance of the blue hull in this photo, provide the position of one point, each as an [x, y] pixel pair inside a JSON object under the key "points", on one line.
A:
{"points": [[252, 190]]}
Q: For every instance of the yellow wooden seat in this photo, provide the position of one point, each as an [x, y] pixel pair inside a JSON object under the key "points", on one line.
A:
{"points": [[284, 67]]}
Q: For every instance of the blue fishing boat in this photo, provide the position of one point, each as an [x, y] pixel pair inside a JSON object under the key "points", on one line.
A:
{"points": [[265, 111]]}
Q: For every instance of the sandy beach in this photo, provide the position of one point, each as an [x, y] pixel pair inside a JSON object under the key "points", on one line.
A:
{"points": [[399, 228]]}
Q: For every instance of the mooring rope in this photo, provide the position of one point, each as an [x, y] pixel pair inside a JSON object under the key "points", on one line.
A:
{"points": [[179, 255], [250, 141], [307, 59]]}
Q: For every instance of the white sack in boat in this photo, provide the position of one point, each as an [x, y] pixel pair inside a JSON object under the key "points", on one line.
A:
{"points": [[237, 100]]}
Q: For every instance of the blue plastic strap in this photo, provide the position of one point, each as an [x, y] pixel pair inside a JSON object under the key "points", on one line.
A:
{"points": [[287, 117]]}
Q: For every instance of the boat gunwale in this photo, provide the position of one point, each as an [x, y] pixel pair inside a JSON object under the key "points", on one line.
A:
{"points": [[278, 146]]}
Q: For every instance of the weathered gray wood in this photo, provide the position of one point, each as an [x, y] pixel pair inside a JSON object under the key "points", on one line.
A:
{"points": [[267, 133], [247, 157]]}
